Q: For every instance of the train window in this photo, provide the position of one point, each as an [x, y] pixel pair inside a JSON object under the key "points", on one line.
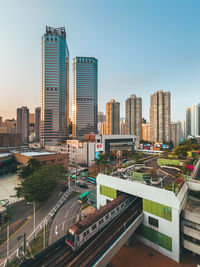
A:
{"points": [[78, 238], [99, 222], [107, 216], [126, 201], [122, 205], [153, 221], [84, 234], [88, 232], [94, 226], [112, 212], [117, 208]]}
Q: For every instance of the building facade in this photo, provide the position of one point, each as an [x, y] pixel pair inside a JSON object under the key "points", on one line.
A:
{"points": [[37, 124], [176, 133], [146, 133], [133, 116], [113, 117], [84, 96], [55, 86], [160, 116], [195, 120], [23, 124], [188, 123]]}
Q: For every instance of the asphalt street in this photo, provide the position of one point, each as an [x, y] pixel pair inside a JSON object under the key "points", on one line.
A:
{"points": [[16, 239], [66, 216]]}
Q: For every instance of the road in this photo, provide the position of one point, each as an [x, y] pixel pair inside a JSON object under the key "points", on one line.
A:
{"points": [[16, 239], [66, 216]]}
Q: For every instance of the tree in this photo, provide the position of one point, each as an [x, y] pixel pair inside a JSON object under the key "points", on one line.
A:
{"points": [[39, 185], [32, 165], [181, 151]]}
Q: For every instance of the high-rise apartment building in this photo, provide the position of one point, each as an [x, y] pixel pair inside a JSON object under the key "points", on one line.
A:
{"points": [[84, 96], [160, 117], [195, 120], [146, 133], [101, 117], [55, 86], [113, 117], [23, 124], [37, 124], [133, 116], [176, 133], [122, 128], [188, 123]]}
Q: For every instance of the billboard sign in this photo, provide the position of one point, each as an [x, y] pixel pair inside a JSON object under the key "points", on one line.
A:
{"points": [[99, 147]]}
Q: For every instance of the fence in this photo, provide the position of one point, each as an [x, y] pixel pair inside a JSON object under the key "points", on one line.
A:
{"points": [[17, 252]]}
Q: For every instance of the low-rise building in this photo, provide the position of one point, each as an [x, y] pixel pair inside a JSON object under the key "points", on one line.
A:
{"points": [[46, 158], [10, 139]]}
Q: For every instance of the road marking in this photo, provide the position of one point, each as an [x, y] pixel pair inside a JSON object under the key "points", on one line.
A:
{"points": [[66, 214], [20, 228], [73, 204], [56, 230], [63, 225]]}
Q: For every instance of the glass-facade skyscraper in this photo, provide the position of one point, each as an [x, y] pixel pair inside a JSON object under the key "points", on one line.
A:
{"points": [[55, 86], [85, 96]]}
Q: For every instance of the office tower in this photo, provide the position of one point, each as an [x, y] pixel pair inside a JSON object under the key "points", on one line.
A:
{"points": [[146, 134], [133, 116], [188, 123], [55, 86], [160, 117], [113, 117], [84, 96], [101, 117], [37, 124], [23, 124], [195, 120], [176, 133]]}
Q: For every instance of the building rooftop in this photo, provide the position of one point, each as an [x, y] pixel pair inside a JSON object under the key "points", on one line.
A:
{"points": [[2, 155], [35, 154]]}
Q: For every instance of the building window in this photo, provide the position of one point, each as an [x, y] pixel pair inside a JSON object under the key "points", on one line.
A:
{"points": [[87, 232], [117, 208], [153, 221], [51, 39], [107, 216], [84, 234]]}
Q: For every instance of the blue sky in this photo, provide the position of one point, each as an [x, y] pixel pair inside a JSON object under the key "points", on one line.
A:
{"points": [[141, 46]]}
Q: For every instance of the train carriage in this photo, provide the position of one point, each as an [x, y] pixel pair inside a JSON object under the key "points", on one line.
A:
{"points": [[82, 231]]}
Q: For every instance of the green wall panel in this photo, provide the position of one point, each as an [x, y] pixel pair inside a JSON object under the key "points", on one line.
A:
{"points": [[108, 191], [157, 209], [156, 237]]}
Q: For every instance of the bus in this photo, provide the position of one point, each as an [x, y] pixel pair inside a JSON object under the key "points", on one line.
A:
{"points": [[73, 177], [92, 180], [84, 197]]}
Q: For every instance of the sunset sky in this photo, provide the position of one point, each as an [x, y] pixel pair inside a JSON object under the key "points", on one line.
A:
{"points": [[141, 46]]}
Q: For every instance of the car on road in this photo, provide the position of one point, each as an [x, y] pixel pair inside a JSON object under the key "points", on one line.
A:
{"points": [[77, 182], [83, 185], [65, 187]]}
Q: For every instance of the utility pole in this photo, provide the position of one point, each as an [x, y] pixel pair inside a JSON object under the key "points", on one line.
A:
{"points": [[44, 237], [7, 241], [34, 218], [24, 243]]}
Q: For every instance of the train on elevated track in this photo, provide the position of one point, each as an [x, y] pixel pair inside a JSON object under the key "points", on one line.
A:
{"points": [[81, 232]]}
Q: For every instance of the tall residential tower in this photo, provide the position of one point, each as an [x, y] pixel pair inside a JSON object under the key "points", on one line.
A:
{"points": [[55, 86], [133, 116], [113, 117], [84, 96], [160, 117]]}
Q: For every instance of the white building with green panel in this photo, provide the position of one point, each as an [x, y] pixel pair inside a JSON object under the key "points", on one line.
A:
{"points": [[161, 226]]}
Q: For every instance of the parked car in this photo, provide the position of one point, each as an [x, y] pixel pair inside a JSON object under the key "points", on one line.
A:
{"points": [[77, 182]]}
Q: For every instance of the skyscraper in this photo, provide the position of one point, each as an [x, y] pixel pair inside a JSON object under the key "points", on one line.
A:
{"points": [[160, 117], [23, 124], [133, 116], [55, 86], [176, 133], [84, 96], [37, 124], [195, 120], [188, 123], [113, 117]]}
